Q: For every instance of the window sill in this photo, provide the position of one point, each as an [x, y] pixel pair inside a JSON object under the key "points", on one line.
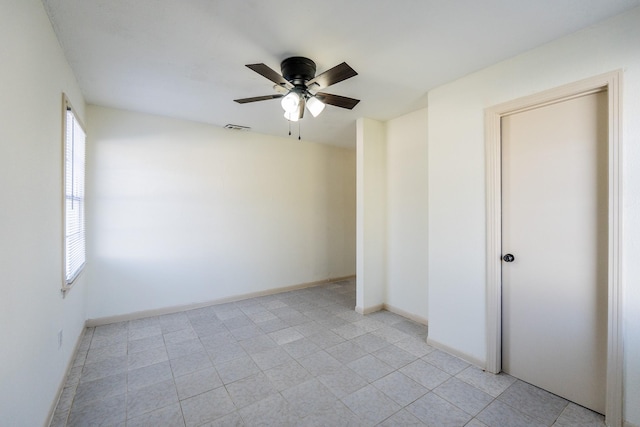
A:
{"points": [[66, 287]]}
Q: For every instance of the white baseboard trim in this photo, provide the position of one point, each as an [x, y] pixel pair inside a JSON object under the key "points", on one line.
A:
{"points": [[470, 359], [416, 318], [392, 309], [54, 405], [369, 310], [176, 309]]}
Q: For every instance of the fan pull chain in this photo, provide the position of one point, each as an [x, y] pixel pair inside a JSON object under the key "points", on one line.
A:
{"points": [[289, 127], [298, 131]]}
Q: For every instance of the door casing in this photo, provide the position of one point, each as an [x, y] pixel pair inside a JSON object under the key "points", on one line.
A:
{"points": [[612, 83]]}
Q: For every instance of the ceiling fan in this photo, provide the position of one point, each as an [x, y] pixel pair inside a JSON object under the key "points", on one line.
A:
{"points": [[298, 86]]}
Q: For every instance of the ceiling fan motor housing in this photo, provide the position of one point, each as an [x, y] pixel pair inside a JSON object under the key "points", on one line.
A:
{"points": [[298, 70]]}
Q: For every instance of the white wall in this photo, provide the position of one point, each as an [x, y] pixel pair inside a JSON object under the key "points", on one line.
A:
{"points": [[34, 73], [182, 213], [407, 214], [371, 278], [392, 215], [456, 181]]}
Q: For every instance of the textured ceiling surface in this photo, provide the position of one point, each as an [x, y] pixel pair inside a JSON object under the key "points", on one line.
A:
{"points": [[185, 59]]}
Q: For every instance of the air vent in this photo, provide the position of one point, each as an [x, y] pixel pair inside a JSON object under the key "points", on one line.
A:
{"points": [[236, 127]]}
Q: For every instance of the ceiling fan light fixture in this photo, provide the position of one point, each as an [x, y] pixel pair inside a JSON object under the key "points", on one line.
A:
{"points": [[298, 87], [292, 117], [315, 106], [291, 102]]}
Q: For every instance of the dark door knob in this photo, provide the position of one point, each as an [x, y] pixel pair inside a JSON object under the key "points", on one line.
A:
{"points": [[508, 258]]}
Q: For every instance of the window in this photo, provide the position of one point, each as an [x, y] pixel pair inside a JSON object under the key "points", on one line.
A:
{"points": [[74, 229]]}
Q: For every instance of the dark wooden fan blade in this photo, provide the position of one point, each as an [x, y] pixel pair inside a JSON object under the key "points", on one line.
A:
{"points": [[337, 100], [332, 76], [269, 73], [257, 98]]}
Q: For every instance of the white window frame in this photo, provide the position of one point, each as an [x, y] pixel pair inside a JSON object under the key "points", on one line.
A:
{"points": [[73, 196]]}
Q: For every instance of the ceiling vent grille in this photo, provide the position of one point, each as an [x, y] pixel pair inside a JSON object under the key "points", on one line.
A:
{"points": [[236, 127]]}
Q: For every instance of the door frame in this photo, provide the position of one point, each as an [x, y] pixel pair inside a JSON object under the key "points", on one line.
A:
{"points": [[493, 164]]}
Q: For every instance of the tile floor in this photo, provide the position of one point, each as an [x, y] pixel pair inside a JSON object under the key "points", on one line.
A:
{"points": [[300, 358]]}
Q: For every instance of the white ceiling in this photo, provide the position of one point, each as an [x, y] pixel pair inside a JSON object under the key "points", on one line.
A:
{"points": [[186, 58]]}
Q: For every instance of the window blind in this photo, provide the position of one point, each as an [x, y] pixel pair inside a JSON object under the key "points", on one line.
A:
{"points": [[74, 197]]}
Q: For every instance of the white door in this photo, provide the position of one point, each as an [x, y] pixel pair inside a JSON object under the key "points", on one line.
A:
{"points": [[554, 223]]}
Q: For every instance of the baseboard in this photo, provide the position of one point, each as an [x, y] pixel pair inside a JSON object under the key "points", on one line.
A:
{"points": [[459, 354], [396, 310], [54, 405], [176, 309], [369, 310], [406, 314]]}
